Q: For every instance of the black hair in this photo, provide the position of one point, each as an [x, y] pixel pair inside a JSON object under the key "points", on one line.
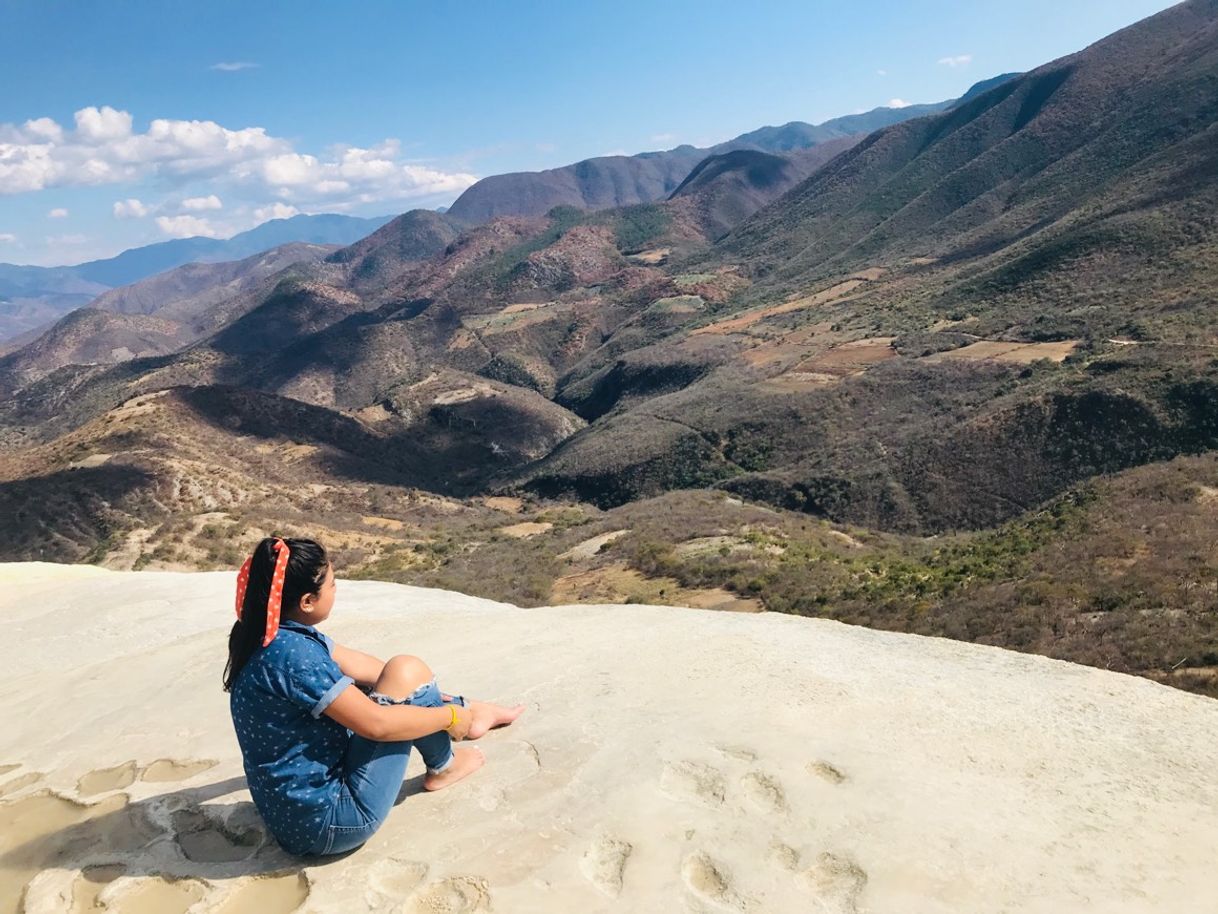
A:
{"points": [[306, 571]]}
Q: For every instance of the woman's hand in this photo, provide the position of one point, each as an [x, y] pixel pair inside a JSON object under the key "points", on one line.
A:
{"points": [[460, 727]]}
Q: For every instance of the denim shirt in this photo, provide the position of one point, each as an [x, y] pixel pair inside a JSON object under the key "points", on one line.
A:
{"points": [[293, 755]]}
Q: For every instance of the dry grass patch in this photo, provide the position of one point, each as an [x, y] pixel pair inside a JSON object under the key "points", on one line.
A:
{"points": [[852, 358], [999, 351], [515, 317], [590, 547], [373, 414], [505, 503], [462, 339], [526, 529], [831, 366], [718, 599], [288, 452], [652, 258], [385, 523], [614, 583], [747, 320]]}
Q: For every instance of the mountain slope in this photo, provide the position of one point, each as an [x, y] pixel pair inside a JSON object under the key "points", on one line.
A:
{"points": [[1042, 159], [155, 316], [89, 336], [382, 256], [954, 320]]}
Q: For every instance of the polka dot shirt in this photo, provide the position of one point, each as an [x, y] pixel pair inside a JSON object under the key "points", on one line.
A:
{"points": [[293, 755]]}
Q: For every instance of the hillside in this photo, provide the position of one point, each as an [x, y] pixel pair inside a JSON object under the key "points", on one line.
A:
{"points": [[378, 259], [952, 321], [891, 772], [1008, 180]]}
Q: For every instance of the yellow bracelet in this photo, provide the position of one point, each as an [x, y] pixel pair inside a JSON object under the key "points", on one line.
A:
{"points": [[452, 723]]}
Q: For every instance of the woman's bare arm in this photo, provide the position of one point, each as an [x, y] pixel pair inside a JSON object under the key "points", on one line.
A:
{"points": [[363, 668], [389, 723]]}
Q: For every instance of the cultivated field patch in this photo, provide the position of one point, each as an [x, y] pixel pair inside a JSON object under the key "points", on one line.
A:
{"points": [[1001, 351], [514, 317], [824, 297], [831, 366]]}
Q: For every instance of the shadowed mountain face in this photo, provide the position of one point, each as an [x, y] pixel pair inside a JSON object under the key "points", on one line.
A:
{"points": [[598, 183], [727, 188]]}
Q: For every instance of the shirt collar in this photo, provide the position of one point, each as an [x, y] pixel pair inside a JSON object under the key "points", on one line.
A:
{"points": [[293, 625]]}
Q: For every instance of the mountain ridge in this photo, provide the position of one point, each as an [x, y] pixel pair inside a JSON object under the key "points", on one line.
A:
{"points": [[609, 181]]}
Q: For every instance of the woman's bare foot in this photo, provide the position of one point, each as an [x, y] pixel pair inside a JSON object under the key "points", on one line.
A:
{"points": [[466, 760], [488, 716]]}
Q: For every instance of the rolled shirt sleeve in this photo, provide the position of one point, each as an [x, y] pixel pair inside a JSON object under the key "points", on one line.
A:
{"points": [[330, 694], [308, 677]]}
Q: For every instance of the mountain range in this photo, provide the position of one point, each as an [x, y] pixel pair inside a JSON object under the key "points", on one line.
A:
{"points": [[31, 297], [934, 361], [612, 181]]}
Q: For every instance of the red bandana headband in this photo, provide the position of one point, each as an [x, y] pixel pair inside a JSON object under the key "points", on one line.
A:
{"points": [[276, 597]]}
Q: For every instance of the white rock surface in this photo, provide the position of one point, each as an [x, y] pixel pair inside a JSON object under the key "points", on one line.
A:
{"points": [[670, 760]]}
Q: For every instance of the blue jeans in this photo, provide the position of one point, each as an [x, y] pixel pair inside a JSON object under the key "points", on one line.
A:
{"points": [[373, 773]]}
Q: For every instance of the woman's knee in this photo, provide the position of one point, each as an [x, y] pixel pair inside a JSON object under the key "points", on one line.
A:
{"points": [[403, 673]]}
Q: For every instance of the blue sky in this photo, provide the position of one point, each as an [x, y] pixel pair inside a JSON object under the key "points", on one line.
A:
{"points": [[129, 122]]}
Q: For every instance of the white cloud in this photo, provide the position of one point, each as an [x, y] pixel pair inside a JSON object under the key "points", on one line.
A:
{"points": [[881, 72], [233, 66], [247, 164], [102, 125], [7, 238], [58, 213], [960, 60], [245, 172], [186, 226], [897, 103], [130, 208], [275, 211], [353, 174], [663, 137], [211, 201], [44, 128]]}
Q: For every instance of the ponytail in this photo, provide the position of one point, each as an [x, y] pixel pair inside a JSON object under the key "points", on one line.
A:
{"points": [[306, 570]]}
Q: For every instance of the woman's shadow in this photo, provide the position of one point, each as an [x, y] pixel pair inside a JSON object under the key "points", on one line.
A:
{"points": [[171, 836]]}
